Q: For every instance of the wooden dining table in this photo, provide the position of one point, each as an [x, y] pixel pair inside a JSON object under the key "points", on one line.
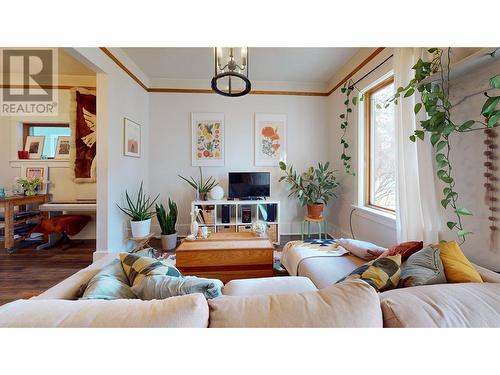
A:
{"points": [[20, 201]]}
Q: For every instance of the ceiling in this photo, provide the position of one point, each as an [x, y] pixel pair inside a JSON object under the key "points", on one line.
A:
{"points": [[265, 64]]}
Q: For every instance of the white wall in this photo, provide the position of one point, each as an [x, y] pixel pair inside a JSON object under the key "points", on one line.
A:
{"points": [[170, 144], [118, 96], [365, 226]]}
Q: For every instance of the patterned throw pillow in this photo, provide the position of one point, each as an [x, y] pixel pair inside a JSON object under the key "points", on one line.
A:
{"points": [[137, 267], [381, 273], [423, 268], [109, 283]]}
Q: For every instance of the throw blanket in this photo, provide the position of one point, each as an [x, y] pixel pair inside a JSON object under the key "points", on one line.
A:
{"points": [[83, 133], [295, 252]]}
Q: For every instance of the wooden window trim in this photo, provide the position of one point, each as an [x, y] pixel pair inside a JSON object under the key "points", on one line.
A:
{"points": [[368, 143]]}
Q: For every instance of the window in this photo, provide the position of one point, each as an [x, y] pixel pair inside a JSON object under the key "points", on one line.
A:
{"points": [[51, 133], [380, 148]]}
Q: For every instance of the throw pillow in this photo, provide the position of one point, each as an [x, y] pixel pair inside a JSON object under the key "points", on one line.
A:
{"points": [[406, 249], [457, 267], [109, 283], [163, 286], [361, 249], [381, 273], [423, 268], [137, 267]]}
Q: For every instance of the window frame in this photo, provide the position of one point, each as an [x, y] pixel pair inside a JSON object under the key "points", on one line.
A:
{"points": [[368, 143], [28, 125]]}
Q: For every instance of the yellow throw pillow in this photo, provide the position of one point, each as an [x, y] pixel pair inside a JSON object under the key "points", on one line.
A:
{"points": [[457, 267]]}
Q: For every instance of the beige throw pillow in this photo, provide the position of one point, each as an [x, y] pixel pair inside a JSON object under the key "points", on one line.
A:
{"points": [[349, 304]]}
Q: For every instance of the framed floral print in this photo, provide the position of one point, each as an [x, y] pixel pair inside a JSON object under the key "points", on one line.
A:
{"points": [[208, 148], [270, 139]]}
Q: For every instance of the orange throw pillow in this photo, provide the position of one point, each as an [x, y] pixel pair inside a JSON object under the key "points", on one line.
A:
{"points": [[405, 249]]}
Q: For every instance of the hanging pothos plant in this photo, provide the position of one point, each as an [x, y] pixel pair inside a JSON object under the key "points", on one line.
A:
{"points": [[435, 99], [347, 89]]}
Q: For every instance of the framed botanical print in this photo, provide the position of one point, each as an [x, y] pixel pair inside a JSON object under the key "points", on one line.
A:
{"points": [[34, 145], [37, 171], [270, 139], [132, 138], [208, 139], [62, 147]]}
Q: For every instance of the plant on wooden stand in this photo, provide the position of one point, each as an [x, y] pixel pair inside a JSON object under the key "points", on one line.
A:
{"points": [[202, 188], [140, 213], [313, 188], [167, 223]]}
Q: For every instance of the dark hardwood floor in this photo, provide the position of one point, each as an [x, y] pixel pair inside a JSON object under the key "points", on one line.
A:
{"points": [[28, 272]]}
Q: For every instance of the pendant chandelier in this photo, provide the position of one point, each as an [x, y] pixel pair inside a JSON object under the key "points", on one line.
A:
{"points": [[231, 71]]}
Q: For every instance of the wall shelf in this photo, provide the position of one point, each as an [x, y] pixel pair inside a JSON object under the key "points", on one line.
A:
{"points": [[51, 163]]}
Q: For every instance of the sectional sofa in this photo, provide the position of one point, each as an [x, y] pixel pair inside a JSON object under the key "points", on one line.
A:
{"points": [[310, 299]]}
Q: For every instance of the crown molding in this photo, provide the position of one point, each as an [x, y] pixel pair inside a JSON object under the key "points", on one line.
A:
{"points": [[253, 92]]}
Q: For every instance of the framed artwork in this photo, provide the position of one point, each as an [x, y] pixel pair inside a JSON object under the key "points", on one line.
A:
{"points": [[208, 148], [270, 139], [34, 145], [34, 171], [132, 139], [62, 147]]}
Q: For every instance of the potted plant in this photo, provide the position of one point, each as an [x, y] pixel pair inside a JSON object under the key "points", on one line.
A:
{"points": [[140, 213], [167, 224], [201, 187], [312, 188], [29, 185]]}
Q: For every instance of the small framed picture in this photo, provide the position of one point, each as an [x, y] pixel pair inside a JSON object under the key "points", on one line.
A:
{"points": [[132, 139], [34, 145], [208, 139], [37, 171], [270, 139], [62, 147]]}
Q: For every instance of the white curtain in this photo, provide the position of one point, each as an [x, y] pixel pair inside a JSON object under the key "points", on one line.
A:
{"points": [[418, 215]]}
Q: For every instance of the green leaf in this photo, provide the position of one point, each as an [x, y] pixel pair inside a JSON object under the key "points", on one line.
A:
{"points": [[440, 157], [412, 138], [342, 115], [490, 105], [420, 134], [445, 202], [355, 100], [435, 138], [378, 106], [462, 211], [466, 125], [451, 224], [495, 82], [463, 233], [417, 108], [409, 92], [493, 120], [441, 145], [432, 50]]}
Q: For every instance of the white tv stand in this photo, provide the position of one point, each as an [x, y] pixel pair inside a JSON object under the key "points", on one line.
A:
{"points": [[236, 223]]}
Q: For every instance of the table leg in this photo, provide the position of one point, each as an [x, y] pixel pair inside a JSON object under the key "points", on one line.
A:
{"points": [[302, 230], [308, 229], [9, 226], [319, 230]]}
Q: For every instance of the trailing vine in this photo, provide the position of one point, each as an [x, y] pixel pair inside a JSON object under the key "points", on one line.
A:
{"points": [[435, 99], [347, 89]]}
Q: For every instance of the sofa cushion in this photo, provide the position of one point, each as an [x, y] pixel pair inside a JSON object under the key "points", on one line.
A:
{"points": [[457, 267], [444, 305], [423, 268], [183, 311], [349, 304], [405, 249], [137, 267], [361, 249], [381, 273], [163, 286], [268, 285], [326, 271], [109, 283]]}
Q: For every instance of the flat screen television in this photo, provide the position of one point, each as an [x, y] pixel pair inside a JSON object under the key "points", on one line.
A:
{"points": [[249, 184]]}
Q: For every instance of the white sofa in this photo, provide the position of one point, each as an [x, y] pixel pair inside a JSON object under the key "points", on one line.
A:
{"points": [[293, 301]]}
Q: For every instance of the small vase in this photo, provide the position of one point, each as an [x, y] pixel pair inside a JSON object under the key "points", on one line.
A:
{"points": [[194, 228], [29, 192], [203, 196]]}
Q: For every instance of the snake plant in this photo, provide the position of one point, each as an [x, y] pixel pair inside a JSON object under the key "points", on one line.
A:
{"points": [[167, 221]]}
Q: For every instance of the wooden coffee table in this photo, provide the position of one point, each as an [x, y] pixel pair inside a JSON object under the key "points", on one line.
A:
{"points": [[226, 256]]}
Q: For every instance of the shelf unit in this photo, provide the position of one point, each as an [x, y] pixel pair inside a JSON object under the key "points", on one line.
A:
{"points": [[235, 223]]}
